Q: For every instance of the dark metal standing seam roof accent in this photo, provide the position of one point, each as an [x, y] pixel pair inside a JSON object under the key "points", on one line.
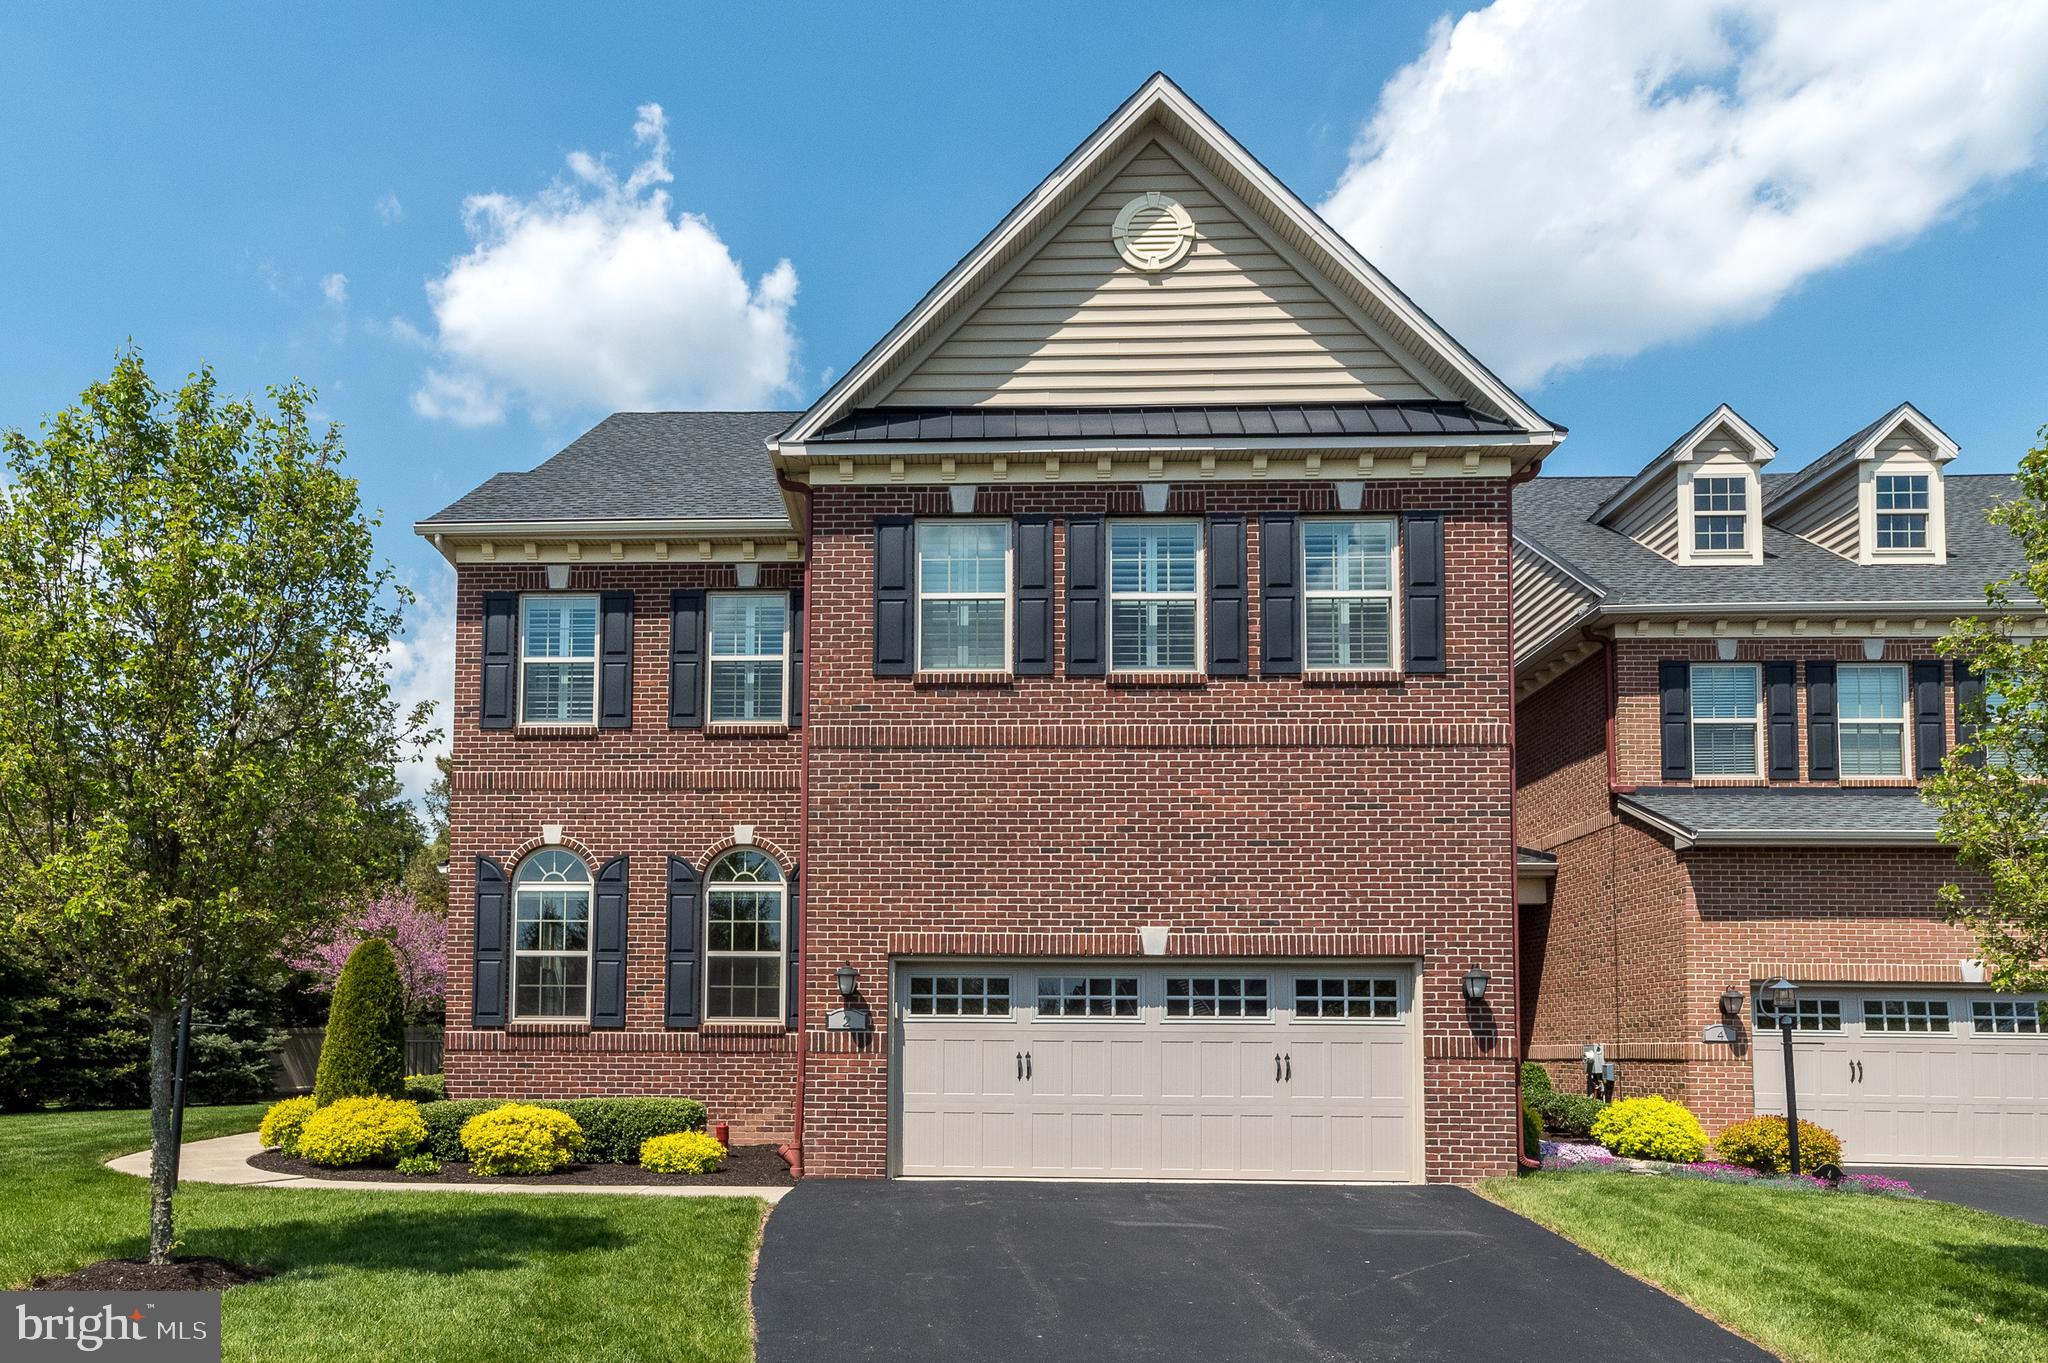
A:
{"points": [[1337, 419]]}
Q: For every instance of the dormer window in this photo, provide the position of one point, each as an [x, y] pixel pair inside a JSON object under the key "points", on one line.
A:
{"points": [[1701, 500], [1720, 515], [1875, 498], [1902, 508]]}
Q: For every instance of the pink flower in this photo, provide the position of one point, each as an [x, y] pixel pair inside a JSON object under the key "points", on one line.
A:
{"points": [[418, 937]]}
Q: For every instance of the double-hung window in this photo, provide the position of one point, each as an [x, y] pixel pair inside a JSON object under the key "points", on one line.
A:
{"points": [[1155, 581], [749, 638], [1902, 509], [743, 964], [1348, 592], [558, 659], [551, 937], [1720, 514], [1726, 698], [963, 596], [1872, 698]]}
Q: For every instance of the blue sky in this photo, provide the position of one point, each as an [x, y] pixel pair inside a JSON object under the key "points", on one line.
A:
{"points": [[1634, 218]]}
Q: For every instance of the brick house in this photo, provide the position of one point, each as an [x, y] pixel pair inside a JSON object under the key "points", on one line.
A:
{"points": [[1727, 694], [1080, 744]]}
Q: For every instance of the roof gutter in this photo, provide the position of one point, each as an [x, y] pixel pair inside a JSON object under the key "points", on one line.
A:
{"points": [[1309, 441], [681, 527]]}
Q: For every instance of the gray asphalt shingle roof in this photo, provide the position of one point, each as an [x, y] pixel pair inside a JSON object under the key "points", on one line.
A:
{"points": [[643, 466], [1760, 814], [1136, 423], [1554, 512]]}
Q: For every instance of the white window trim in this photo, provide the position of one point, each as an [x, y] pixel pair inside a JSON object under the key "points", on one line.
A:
{"points": [[2036, 1032], [1756, 727], [1008, 595], [1749, 495], [1938, 1010], [1901, 464], [1005, 1018], [589, 888], [1752, 513], [1926, 515], [1111, 596], [1396, 658], [1399, 1018], [1166, 1000], [781, 955], [1900, 722], [712, 659], [519, 698]]}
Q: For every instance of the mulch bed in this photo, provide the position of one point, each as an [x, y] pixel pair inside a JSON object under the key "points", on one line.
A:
{"points": [[752, 1166], [201, 1274]]}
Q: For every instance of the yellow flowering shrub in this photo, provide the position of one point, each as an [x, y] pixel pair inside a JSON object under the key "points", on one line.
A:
{"points": [[685, 1152], [352, 1131], [1650, 1128], [282, 1123], [1761, 1143], [520, 1138]]}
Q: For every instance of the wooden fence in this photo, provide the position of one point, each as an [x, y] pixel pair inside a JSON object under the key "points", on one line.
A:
{"points": [[299, 1058]]}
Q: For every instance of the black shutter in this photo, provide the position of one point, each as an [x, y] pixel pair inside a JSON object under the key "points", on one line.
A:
{"points": [[615, 661], [1086, 608], [1674, 687], [895, 633], [1229, 625], [1033, 645], [1422, 571], [1930, 737], [1279, 596], [796, 658], [1781, 701], [487, 958], [685, 911], [793, 983], [608, 947], [1823, 734], [501, 658], [1969, 700], [686, 658]]}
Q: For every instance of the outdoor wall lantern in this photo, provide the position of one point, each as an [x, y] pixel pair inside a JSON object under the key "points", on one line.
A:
{"points": [[1731, 1002], [849, 980], [1475, 984]]}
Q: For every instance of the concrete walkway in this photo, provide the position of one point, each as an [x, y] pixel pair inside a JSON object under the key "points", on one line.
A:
{"points": [[226, 1160]]}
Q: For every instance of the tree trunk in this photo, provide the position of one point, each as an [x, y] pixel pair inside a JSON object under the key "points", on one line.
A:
{"points": [[163, 1061]]}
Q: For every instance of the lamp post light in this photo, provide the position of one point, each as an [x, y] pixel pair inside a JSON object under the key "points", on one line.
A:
{"points": [[1784, 999]]}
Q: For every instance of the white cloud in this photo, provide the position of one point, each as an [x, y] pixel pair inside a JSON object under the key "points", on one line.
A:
{"points": [[334, 288], [593, 294], [1564, 180], [389, 209], [420, 666]]}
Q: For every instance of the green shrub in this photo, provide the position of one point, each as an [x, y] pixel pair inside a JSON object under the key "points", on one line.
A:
{"points": [[283, 1122], [1532, 1131], [520, 1138], [419, 1164], [1761, 1144], [613, 1128], [1535, 1081], [444, 1123], [363, 1054], [685, 1152], [426, 1088], [1569, 1114], [352, 1131], [1650, 1128]]}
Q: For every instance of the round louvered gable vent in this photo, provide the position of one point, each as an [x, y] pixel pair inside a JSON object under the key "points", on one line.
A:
{"points": [[1153, 232]]}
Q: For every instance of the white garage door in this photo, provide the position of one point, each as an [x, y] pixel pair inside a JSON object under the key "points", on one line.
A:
{"points": [[1147, 1071], [1915, 1077]]}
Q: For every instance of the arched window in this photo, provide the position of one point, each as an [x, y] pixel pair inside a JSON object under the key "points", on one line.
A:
{"points": [[744, 904], [551, 937]]}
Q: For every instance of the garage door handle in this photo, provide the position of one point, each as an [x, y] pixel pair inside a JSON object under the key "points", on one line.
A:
{"points": [[1027, 1064], [1290, 1067], [1276, 1067], [1020, 1064]]}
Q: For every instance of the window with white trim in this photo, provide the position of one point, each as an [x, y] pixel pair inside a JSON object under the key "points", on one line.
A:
{"points": [[1087, 996], [1155, 583], [963, 596], [743, 912], [1216, 996], [749, 657], [1809, 1015], [1871, 701], [947, 996], [551, 936], [1902, 507], [1726, 704], [558, 659], [1905, 1015], [2008, 1017], [1720, 515], [1349, 996], [1347, 582]]}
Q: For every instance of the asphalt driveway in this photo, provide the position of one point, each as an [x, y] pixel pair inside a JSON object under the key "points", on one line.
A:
{"points": [[1062, 1271], [2019, 1193]]}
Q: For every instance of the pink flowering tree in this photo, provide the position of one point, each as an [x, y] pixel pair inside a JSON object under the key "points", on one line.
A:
{"points": [[418, 937]]}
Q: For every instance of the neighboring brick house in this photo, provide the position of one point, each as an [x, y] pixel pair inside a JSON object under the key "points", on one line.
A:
{"points": [[1728, 692], [1104, 691]]}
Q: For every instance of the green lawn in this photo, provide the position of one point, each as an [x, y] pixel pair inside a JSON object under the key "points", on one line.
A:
{"points": [[1813, 1278], [371, 1275]]}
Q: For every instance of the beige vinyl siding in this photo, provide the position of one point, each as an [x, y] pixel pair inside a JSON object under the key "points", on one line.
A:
{"points": [[1547, 600], [1652, 519], [1075, 325], [1827, 517]]}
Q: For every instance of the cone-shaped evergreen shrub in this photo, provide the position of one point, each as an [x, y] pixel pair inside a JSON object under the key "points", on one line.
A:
{"points": [[363, 1055]]}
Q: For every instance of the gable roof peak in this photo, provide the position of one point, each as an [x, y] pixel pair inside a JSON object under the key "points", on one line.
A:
{"points": [[1859, 446], [1682, 450]]}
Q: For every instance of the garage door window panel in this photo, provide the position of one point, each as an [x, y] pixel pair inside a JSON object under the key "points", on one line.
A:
{"points": [[944, 996], [1811, 1015], [1905, 1015], [1347, 998], [1214, 997], [2008, 1017], [1088, 996]]}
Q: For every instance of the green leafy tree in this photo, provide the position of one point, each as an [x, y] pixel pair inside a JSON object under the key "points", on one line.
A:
{"points": [[363, 1053], [196, 738], [1993, 807], [425, 878]]}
